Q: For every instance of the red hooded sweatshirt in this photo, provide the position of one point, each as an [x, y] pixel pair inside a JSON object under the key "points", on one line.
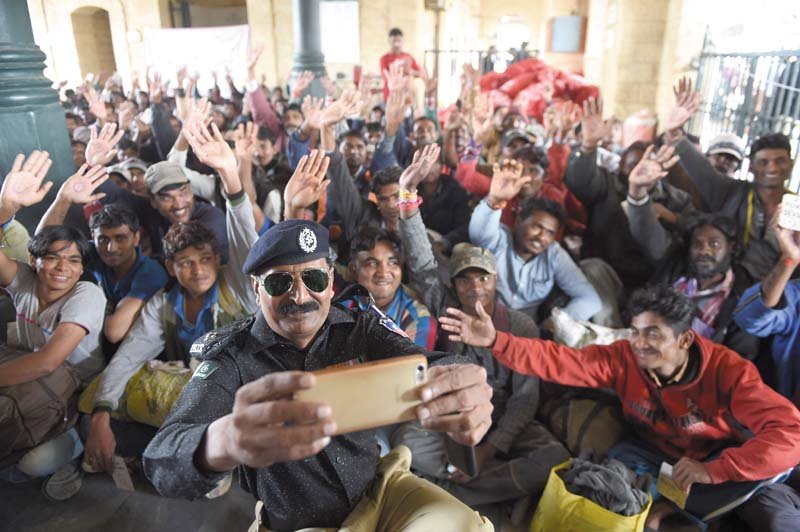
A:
{"points": [[712, 412]]}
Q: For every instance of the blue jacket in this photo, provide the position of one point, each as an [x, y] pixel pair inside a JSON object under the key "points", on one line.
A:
{"points": [[782, 322]]}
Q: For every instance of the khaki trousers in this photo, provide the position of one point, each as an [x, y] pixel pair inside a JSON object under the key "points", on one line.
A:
{"points": [[398, 501]]}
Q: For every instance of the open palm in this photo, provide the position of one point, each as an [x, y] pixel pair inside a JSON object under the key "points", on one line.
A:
{"points": [[23, 185], [472, 330], [421, 165], [592, 125], [210, 147], [686, 104], [79, 188], [102, 148], [507, 181], [308, 180]]}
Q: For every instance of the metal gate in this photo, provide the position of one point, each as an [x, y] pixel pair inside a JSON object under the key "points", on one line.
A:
{"points": [[750, 95]]}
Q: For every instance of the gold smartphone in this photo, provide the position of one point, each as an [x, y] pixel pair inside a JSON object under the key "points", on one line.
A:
{"points": [[369, 395]]}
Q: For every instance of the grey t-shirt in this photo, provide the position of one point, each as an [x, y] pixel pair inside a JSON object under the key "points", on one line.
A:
{"points": [[84, 305]]}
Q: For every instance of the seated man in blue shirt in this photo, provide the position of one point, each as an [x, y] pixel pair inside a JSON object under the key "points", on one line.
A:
{"points": [[127, 276], [376, 263], [772, 308], [530, 261]]}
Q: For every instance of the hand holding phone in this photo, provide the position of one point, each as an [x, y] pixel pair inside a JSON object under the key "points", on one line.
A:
{"points": [[369, 395], [790, 212]]}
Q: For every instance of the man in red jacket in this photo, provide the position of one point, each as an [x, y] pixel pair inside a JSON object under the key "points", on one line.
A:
{"points": [[396, 53], [691, 402]]}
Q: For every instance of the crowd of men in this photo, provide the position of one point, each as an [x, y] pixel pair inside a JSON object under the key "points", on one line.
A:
{"points": [[265, 237]]}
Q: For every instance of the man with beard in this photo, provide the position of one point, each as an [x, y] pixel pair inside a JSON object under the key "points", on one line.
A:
{"points": [[701, 267], [691, 403], [514, 460], [751, 204]]}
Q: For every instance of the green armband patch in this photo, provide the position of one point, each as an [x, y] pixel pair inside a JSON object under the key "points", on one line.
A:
{"points": [[205, 369]]}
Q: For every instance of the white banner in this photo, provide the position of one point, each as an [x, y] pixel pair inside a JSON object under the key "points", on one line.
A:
{"points": [[202, 51]]}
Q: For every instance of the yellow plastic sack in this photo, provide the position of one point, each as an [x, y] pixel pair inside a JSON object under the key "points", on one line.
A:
{"points": [[149, 394], [562, 511]]}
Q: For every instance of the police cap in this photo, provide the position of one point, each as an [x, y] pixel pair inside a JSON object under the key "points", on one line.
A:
{"points": [[289, 242]]}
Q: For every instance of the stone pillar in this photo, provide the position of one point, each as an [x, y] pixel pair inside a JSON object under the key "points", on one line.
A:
{"points": [[307, 48], [30, 114]]}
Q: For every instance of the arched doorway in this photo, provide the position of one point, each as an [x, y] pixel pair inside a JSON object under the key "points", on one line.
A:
{"points": [[92, 32]]}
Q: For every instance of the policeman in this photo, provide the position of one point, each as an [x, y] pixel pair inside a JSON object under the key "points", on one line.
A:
{"points": [[237, 410]]}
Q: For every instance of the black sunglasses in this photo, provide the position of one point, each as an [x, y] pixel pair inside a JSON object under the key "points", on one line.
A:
{"points": [[278, 283]]}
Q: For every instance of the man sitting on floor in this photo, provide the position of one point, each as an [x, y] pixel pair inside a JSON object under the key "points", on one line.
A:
{"points": [[691, 402]]}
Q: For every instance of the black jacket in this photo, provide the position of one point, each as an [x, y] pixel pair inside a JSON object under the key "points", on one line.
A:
{"points": [[319, 491]]}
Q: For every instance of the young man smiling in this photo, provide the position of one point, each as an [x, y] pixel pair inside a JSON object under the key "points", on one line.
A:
{"points": [[57, 344], [691, 402], [205, 296], [127, 276]]}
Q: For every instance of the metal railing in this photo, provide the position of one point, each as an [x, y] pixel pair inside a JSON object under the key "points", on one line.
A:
{"points": [[750, 94]]}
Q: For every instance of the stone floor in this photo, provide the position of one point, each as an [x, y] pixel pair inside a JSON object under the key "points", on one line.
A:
{"points": [[101, 507]]}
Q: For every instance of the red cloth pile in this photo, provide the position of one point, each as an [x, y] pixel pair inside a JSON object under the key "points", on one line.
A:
{"points": [[523, 85]]}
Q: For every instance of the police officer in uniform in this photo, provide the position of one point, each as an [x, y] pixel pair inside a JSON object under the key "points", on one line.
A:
{"points": [[237, 410]]}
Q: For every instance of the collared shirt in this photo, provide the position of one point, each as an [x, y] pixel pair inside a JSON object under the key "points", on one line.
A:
{"points": [[188, 332], [523, 285], [145, 278], [410, 315], [319, 491]]}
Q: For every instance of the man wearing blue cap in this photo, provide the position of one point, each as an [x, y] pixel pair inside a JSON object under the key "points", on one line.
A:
{"points": [[237, 410]]}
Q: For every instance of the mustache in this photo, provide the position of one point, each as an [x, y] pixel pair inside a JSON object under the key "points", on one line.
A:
{"points": [[293, 308]]}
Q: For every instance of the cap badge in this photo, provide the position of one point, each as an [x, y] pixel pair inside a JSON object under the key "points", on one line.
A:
{"points": [[307, 240]]}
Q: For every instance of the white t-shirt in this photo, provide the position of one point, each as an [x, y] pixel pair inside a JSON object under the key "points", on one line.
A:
{"points": [[84, 305]]}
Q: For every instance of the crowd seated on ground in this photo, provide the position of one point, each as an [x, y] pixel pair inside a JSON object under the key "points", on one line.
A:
{"points": [[217, 249]]}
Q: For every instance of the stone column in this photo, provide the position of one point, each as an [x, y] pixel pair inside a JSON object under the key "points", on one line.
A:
{"points": [[30, 115], [307, 48]]}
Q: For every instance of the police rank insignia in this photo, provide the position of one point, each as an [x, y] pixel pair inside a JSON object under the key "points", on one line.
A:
{"points": [[205, 370], [307, 240]]}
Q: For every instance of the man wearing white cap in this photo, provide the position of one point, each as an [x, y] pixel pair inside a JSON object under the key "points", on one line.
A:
{"points": [[726, 153]]}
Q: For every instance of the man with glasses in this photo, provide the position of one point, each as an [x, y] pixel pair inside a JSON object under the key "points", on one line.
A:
{"points": [[237, 410], [205, 297]]}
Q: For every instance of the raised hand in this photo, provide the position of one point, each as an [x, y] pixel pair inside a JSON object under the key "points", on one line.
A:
{"points": [[592, 127], [125, 114], [348, 104], [245, 142], [396, 78], [566, 117], [788, 240], [79, 188], [312, 111], [96, 106], [154, 85], [182, 73], [23, 185], [307, 182], [301, 83], [252, 59], [423, 163], [650, 170], [507, 181], [102, 148], [686, 104], [475, 330], [210, 147], [431, 84], [395, 109], [327, 84], [199, 110]]}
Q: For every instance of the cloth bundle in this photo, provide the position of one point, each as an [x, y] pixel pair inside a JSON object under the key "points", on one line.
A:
{"points": [[610, 484]]}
